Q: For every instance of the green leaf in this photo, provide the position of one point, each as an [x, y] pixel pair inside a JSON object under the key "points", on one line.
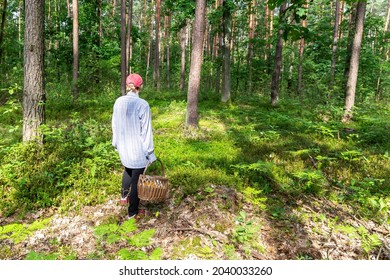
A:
{"points": [[37, 256], [125, 254], [142, 239], [156, 254], [102, 230], [128, 226]]}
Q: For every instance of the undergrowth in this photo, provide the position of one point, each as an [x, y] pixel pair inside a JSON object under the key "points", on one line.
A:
{"points": [[297, 149]]}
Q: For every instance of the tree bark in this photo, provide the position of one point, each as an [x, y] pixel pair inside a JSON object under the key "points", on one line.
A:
{"points": [[68, 8], [168, 68], [3, 19], [278, 60], [183, 35], [128, 37], [34, 87], [386, 29], [156, 72], [335, 42], [351, 35], [251, 36], [378, 93], [196, 65], [341, 19], [270, 32], [354, 64], [227, 22], [300, 66], [123, 47], [75, 10]]}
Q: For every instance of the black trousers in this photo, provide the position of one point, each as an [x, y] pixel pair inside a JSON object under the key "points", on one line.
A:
{"points": [[129, 184]]}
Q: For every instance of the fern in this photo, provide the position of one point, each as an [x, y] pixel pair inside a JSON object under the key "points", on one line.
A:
{"points": [[156, 254], [19, 232], [142, 239], [125, 254], [38, 256], [107, 229], [128, 226]]}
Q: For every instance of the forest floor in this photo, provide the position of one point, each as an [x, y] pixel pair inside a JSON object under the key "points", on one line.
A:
{"points": [[209, 228]]}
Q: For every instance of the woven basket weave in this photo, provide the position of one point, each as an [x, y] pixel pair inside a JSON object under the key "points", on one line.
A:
{"points": [[153, 188]]}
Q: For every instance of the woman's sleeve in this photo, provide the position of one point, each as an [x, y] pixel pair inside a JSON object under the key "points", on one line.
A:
{"points": [[113, 124], [147, 134]]}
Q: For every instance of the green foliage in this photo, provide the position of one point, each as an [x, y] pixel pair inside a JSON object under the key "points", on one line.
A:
{"points": [[113, 233], [19, 232], [246, 233], [193, 246], [255, 197], [64, 254], [39, 256], [311, 181], [369, 242]]}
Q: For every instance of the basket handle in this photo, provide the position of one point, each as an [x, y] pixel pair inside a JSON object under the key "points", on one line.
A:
{"points": [[162, 167]]}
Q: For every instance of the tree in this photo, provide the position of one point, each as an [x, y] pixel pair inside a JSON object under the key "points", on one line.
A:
{"points": [[335, 41], [156, 72], [34, 88], [354, 62], [3, 19], [227, 22], [123, 47], [183, 35], [301, 50], [251, 37], [75, 48], [129, 49], [278, 59], [386, 53], [351, 35], [196, 64]]}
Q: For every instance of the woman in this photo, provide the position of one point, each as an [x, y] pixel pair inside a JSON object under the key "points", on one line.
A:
{"points": [[133, 139]]}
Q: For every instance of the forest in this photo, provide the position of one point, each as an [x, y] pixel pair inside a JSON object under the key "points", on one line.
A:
{"points": [[271, 120]]}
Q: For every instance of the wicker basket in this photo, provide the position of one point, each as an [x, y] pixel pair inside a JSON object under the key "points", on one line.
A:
{"points": [[152, 188]]}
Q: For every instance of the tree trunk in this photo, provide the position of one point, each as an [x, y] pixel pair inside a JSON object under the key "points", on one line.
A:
{"points": [[156, 72], [183, 37], [335, 42], [386, 29], [149, 45], [351, 35], [270, 31], [354, 64], [278, 60], [34, 98], [227, 22], [378, 93], [341, 19], [75, 10], [20, 8], [68, 8], [266, 26], [3, 19], [168, 68], [123, 47], [196, 65], [300, 66], [219, 53], [251, 36], [128, 37]]}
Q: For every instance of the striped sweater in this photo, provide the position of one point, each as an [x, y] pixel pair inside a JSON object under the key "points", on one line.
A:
{"points": [[132, 131]]}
